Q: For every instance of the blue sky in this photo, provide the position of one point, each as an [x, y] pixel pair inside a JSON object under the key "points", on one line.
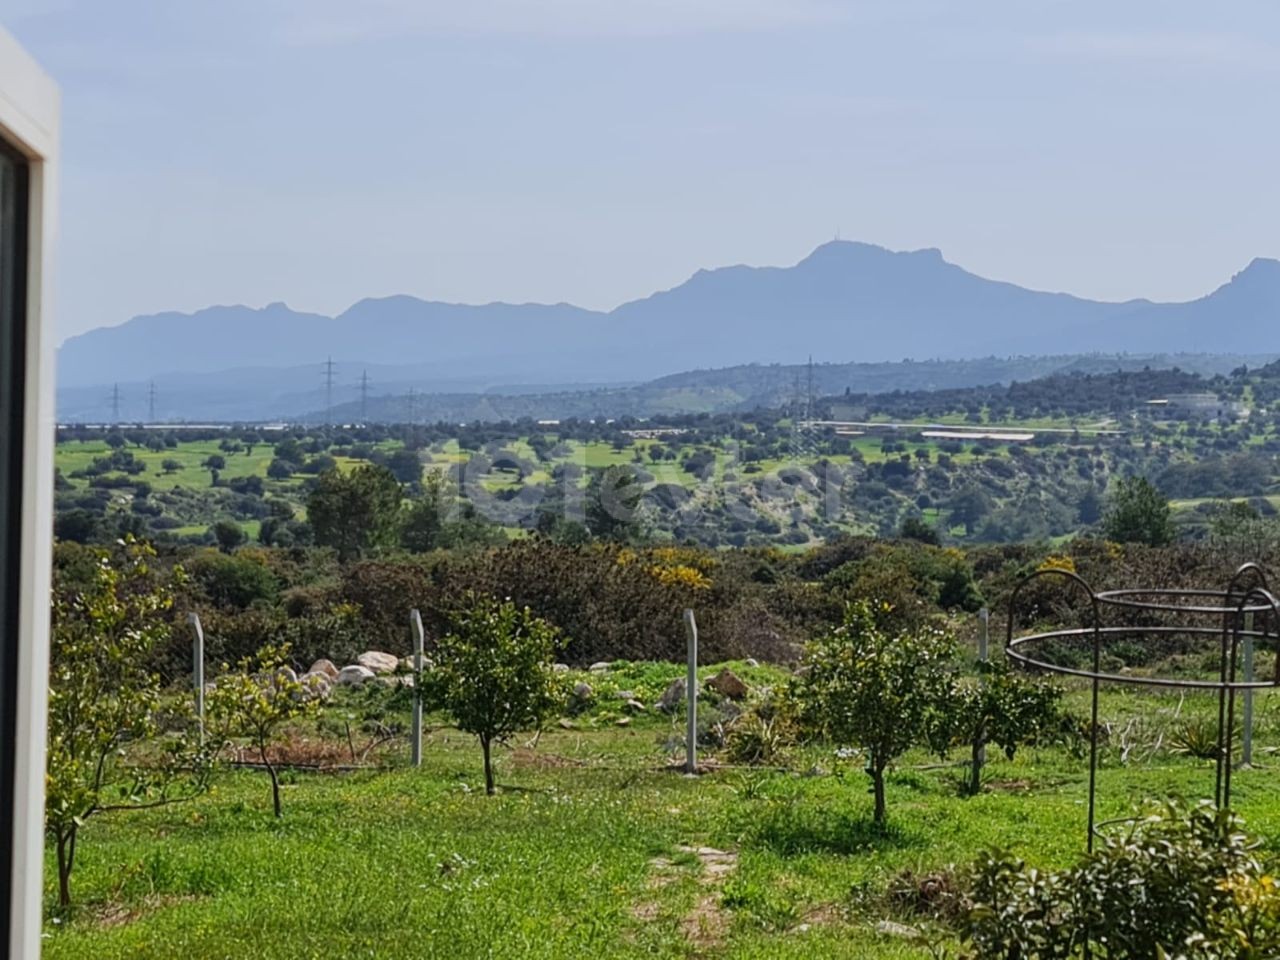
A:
{"points": [[317, 151]]}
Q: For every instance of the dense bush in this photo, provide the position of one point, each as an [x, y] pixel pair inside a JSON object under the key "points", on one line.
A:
{"points": [[1181, 883]]}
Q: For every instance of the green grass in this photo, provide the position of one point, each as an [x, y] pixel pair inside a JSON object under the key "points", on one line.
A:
{"points": [[404, 863]]}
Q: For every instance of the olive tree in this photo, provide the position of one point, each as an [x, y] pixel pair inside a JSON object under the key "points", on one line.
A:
{"points": [[492, 672], [106, 750], [876, 690], [355, 512], [254, 701]]}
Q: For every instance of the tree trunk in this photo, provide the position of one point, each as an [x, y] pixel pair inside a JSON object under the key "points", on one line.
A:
{"points": [[275, 779], [66, 842], [975, 767], [877, 780], [488, 766]]}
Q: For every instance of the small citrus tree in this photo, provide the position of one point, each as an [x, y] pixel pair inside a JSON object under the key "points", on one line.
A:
{"points": [[492, 672], [875, 690], [254, 701], [104, 750], [1006, 708]]}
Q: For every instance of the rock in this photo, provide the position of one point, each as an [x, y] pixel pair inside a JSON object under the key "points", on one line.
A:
{"points": [[633, 706], [353, 676], [285, 675], [559, 668], [316, 686], [672, 696], [622, 722], [567, 724], [582, 691], [751, 662], [601, 666], [728, 684], [326, 668], [626, 695], [380, 663]]}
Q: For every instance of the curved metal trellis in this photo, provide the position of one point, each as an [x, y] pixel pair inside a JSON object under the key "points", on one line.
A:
{"points": [[1247, 596]]}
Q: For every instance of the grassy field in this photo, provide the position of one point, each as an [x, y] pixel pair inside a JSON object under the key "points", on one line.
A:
{"points": [[595, 847]]}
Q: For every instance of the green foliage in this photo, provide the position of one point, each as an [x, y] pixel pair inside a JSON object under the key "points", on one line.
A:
{"points": [[236, 581], [1138, 513], [1180, 883], [1197, 737], [254, 701], [757, 739], [228, 534], [355, 513], [613, 504], [877, 691], [492, 672], [109, 614]]}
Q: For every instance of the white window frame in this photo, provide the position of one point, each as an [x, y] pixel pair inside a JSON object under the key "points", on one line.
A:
{"points": [[29, 117]]}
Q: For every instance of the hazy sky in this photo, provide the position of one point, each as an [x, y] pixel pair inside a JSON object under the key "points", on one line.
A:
{"points": [[320, 151]]}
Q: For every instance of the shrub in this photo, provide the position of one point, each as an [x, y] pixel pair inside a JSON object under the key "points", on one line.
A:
{"points": [[1182, 882]]}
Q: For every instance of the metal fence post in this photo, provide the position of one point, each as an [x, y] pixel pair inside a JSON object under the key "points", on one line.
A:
{"points": [[197, 669], [691, 695], [415, 735], [1246, 749]]}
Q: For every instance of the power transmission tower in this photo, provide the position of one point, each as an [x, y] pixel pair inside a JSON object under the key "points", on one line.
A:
{"points": [[328, 391], [115, 404], [151, 402], [364, 396], [803, 431], [809, 399]]}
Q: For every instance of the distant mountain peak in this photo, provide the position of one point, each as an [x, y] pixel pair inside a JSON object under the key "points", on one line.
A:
{"points": [[1263, 269], [858, 252]]}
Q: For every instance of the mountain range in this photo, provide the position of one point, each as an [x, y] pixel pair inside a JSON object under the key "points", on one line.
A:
{"points": [[845, 301]]}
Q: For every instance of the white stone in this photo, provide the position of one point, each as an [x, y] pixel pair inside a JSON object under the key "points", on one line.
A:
{"points": [[380, 663], [354, 675]]}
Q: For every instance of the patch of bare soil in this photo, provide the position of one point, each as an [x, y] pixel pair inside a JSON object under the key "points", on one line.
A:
{"points": [[116, 914], [526, 758], [707, 924]]}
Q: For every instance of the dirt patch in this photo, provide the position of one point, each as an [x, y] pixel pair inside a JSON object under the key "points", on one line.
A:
{"points": [[706, 926], [117, 914], [1011, 786], [524, 758]]}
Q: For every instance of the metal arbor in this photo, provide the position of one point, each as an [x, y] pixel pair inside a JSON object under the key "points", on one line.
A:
{"points": [[1245, 610]]}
